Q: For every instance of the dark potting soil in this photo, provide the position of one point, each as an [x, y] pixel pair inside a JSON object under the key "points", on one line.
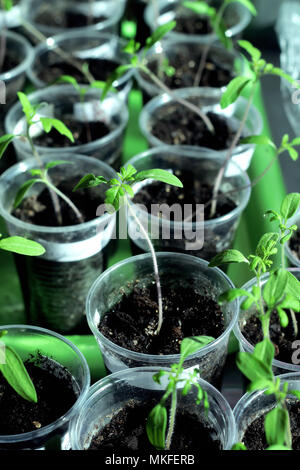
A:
{"points": [[83, 133], [176, 125], [9, 63], [127, 431], [193, 25], [193, 192], [255, 439], [295, 244], [214, 74], [101, 69], [132, 321], [282, 338], [69, 19], [39, 210], [56, 391]]}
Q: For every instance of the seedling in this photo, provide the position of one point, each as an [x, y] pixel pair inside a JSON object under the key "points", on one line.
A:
{"points": [[41, 174], [138, 61], [15, 373], [259, 68], [157, 422], [216, 18], [280, 293], [119, 192]]}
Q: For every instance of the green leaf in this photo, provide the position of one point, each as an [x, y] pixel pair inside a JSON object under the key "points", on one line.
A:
{"points": [[228, 256], [276, 426], [201, 8], [233, 90], [258, 140], [113, 197], [278, 447], [263, 384], [7, 4], [118, 73], [5, 140], [296, 393], [239, 446], [90, 181], [159, 175], [57, 163], [292, 152], [156, 426], [233, 294], [290, 205], [128, 172], [280, 73], [253, 368], [17, 376], [69, 79], [283, 318], [267, 244], [247, 4], [49, 123], [28, 110], [22, 246], [100, 85], [295, 141], [265, 351], [254, 53], [191, 345], [23, 190], [293, 286], [159, 33], [275, 286]]}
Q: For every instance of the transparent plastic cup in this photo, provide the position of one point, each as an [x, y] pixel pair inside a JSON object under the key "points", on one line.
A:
{"points": [[110, 394], [256, 404], [291, 254], [83, 46], [208, 99], [188, 48], [204, 238], [63, 102], [279, 367], [51, 18], [236, 16], [31, 340], [175, 269], [10, 18], [56, 284], [21, 51]]}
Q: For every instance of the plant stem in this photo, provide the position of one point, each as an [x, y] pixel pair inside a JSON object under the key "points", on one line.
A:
{"points": [[155, 267], [233, 145], [65, 198], [171, 419], [182, 101]]}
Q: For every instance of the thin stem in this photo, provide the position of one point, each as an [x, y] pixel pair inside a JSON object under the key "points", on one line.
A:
{"points": [[155, 267], [172, 419], [64, 197], [179, 100], [233, 145]]}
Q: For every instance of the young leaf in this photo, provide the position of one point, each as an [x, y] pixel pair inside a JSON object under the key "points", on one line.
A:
{"points": [[22, 246], [156, 426], [17, 376], [267, 244], [278, 447], [113, 197], [275, 287], [293, 286], [233, 294], [280, 73], [24, 188], [290, 205], [258, 140], [159, 33], [254, 369], [265, 351], [254, 53], [191, 345], [28, 110], [69, 79], [118, 73], [57, 163], [90, 181], [5, 140], [296, 393], [233, 90], [49, 123], [239, 446], [159, 175], [276, 426], [201, 8], [228, 256]]}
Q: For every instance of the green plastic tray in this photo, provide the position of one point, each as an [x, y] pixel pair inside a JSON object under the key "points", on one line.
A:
{"points": [[266, 195]]}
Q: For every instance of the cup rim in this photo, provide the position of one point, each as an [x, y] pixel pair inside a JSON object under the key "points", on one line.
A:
{"points": [[39, 433], [62, 91], [57, 39], [22, 167], [248, 346], [105, 382], [25, 63], [197, 153], [162, 99], [148, 357]]}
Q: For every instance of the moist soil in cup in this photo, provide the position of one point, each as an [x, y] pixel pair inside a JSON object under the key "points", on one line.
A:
{"points": [[214, 74], [282, 338], [295, 244], [55, 292], [83, 133], [255, 439], [9, 63], [132, 321], [176, 125], [127, 431], [68, 19], [101, 69], [193, 25], [56, 390]]}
